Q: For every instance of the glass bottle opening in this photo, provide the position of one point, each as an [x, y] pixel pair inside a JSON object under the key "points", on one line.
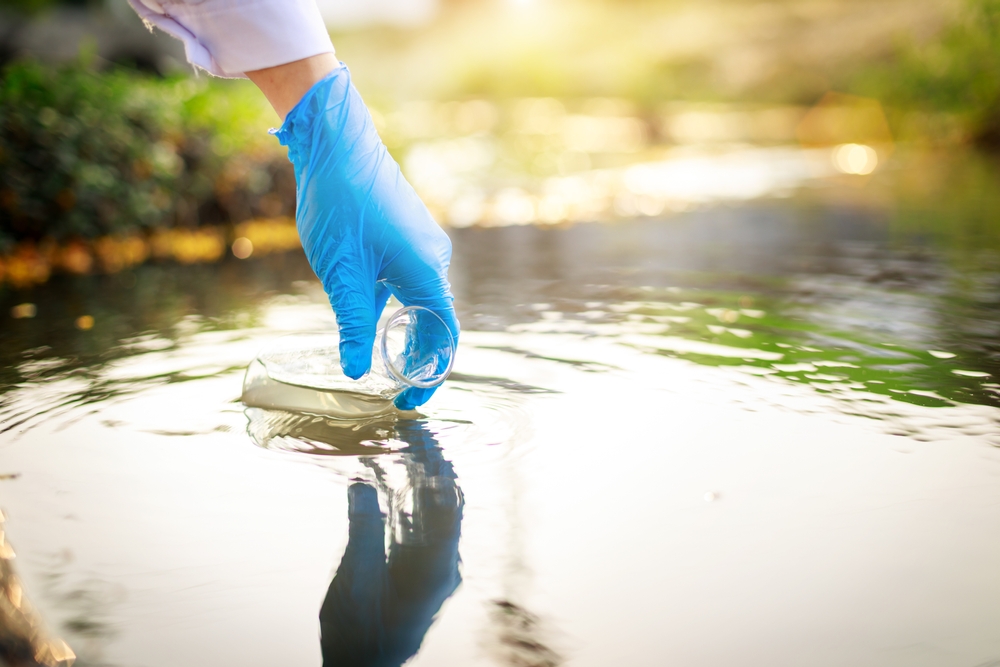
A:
{"points": [[417, 347]]}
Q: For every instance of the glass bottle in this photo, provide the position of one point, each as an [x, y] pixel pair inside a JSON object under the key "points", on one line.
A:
{"points": [[302, 373]]}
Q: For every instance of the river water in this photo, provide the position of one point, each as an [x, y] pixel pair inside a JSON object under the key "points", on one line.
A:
{"points": [[763, 433]]}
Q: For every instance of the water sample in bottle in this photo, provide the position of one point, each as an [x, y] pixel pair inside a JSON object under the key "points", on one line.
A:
{"points": [[302, 373]]}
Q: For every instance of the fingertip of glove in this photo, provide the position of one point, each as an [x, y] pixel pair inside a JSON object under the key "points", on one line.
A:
{"points": [[412, 398], [353, 359]]}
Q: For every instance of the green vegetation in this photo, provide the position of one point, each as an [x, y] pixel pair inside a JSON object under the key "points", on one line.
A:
{"points": [[85, 154], [934, 65], [957, 73], [28, 6]]}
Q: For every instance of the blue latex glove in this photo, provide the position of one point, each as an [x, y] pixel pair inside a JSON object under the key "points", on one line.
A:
{"points": [[365, 231]]}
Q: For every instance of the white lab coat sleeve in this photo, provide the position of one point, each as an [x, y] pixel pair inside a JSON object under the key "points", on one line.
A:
{"points": [[230, 37]]}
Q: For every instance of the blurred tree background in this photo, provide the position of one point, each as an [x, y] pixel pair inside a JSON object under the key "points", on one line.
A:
{"points": [[88, 154], [104, 131], [932, 56], [956, 72]]}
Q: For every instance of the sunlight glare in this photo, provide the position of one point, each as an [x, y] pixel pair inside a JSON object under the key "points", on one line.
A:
{"points": [[856, 159]]}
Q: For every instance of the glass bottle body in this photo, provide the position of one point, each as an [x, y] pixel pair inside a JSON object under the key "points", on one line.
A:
{"points": [[302, 372]]}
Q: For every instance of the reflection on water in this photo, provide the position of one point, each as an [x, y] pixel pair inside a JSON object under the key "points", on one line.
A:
{"points": [[779, 418], [820, 297], [23, 639], [379, 607], [519, 640], [315, 434]]}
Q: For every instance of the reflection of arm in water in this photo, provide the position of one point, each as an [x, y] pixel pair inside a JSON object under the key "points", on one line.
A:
{"points": [[378, 610]]}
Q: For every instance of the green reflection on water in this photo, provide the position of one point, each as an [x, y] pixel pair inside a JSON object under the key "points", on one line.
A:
{"points": [[828, 360]]}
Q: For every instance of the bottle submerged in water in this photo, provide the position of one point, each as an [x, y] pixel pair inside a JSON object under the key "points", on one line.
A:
{"points": [[302, 372]]}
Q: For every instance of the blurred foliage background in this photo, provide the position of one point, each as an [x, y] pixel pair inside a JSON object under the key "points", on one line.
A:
{"points": [[87, 154], [491, 106]]}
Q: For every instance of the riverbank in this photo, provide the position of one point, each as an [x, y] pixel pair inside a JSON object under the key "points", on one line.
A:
{"points": [[33, 263]]}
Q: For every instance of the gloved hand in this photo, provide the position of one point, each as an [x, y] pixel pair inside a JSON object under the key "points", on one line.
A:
{"points": [[365, 231]]}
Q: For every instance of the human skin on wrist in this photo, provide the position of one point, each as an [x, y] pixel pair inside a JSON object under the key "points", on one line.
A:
{"points": [[284, 85]]}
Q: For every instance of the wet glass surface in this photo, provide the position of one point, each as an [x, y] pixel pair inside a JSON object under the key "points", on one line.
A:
{"points": [[764, 432]]}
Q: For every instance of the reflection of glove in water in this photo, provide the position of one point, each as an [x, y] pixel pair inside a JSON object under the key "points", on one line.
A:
{"points": [[364, 229], [378, 609]]}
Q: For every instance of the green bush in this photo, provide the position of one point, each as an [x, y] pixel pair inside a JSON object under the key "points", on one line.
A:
{"points": [[87, 154], [958, 73]]}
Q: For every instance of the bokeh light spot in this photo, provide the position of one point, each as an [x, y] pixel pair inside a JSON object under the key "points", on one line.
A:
{"points": [[23, 311], [856, 159], [242, 247]]}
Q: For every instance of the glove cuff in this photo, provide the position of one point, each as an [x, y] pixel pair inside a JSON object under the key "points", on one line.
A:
{"points": [[297, 131]]}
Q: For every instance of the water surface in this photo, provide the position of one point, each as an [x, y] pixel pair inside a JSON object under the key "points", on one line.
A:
{"points": [[764, 433]]}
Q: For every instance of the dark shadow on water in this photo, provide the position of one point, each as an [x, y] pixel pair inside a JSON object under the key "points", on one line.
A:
{"points": [[381, 603]]}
